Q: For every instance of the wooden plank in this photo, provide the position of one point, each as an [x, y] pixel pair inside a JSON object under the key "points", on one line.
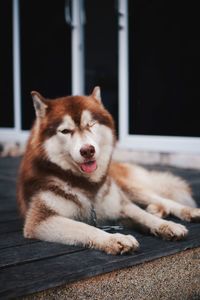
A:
{"points": [[9, 162], [11, 226], [8, 205], [32, 277], [195, 181], [11, 178], [14, 239], [196, 191], [7, 197], [8, 215], [187, 174], [34, 252], [195, 184], [7, 190]]}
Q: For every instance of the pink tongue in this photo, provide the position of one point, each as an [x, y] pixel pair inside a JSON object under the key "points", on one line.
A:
{"points": [[89, 167]]}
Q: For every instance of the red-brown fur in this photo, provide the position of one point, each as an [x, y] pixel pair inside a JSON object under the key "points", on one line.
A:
{"points": [[35, 167], [54, 191]]}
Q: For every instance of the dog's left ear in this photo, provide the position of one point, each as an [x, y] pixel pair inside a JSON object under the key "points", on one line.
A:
{"points": [[97, 94], [40, 104]]}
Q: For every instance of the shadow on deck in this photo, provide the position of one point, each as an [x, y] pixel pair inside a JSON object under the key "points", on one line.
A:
{"points": [[29, 266]]}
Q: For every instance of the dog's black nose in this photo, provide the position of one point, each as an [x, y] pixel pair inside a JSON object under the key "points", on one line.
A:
{"points": [[87, 151]]}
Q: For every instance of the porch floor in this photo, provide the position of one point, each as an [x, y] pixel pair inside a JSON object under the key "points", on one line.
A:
{"points": [[30, 266]]}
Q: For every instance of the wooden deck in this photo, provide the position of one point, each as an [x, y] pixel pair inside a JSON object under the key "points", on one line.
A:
{"points": [[28, 266]]}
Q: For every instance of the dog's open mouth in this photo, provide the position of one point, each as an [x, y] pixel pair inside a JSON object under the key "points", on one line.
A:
{"points": [[89, 166]]}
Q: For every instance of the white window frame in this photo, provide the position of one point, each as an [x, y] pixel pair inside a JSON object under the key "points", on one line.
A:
{"points": [[133, 141], [78, 20], [17, 134]]}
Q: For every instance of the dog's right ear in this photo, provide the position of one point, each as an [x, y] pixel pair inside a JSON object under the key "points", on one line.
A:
{"points": [[39, 103], [97, 94]]}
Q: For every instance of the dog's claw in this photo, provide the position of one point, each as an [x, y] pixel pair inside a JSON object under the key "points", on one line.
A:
{"points": [[120, 244]]}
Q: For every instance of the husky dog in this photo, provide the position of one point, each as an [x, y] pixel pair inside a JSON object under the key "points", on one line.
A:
{"points": [[67, 176]]}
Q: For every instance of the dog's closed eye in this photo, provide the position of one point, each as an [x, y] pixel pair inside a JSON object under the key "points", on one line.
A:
{"points": [[91, 123], [66, 131]]}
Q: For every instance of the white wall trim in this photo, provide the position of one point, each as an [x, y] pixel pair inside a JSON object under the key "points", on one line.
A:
{"points": [[161, 143], [16, 133], [78, 47], [10, 135], [123, 67], [141, 142], [16, 67]]}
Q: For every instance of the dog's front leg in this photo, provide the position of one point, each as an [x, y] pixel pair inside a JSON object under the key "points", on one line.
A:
{"points": [[157, 226], [67, 231]]}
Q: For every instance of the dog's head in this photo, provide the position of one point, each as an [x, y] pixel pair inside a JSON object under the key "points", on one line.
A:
{"points": [[76, 132]]}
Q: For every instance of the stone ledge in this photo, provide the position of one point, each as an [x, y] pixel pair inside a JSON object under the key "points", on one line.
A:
{"points": [[183, 160], [171, 277]]}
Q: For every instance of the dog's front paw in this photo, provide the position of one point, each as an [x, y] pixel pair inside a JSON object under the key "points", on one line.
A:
{"points": [[171, 231], [190, 214], [119, 244]]}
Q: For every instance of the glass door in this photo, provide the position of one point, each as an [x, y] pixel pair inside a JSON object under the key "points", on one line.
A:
{"points": [[164, 52], [6, 63], [101, 51], [159, 76], [35, 55], [45, 52]]}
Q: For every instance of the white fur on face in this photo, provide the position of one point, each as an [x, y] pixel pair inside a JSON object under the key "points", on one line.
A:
{"points": [[106, 140], [78, 140], [64, 149], [86, 118], [67, 123]]}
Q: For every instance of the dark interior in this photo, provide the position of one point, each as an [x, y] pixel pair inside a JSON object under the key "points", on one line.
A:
{"points": [[164, 67], [45, 52], [101, 51], [6, 69]]}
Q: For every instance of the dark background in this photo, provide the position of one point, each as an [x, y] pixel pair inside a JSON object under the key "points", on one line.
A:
{"points": [[101, 51], [6, 70], [45, 52], [164, 67]]}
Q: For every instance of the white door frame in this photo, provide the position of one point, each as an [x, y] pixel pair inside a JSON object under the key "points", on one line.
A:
{"points": [[17, 134], [141, 142], [78, 20]]}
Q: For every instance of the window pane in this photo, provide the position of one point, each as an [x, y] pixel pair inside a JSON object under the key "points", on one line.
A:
{"points": [[101, 51], [164, 68], [6, 63], [45, 52]]}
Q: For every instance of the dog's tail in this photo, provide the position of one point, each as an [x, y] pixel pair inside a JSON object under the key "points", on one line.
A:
{"points": [[173, 187]]}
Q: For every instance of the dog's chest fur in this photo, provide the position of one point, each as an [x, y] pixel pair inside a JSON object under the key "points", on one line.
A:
{"points": [[81, 205]]}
